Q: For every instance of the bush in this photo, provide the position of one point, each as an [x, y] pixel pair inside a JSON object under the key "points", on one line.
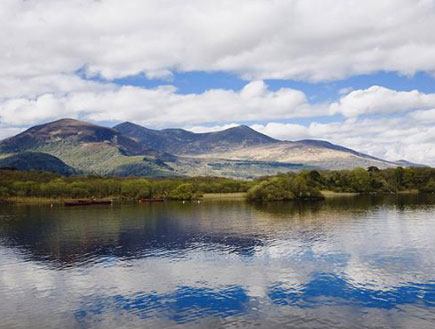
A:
{"points": [[285, 188], [136, 189], [274, 189], [360, 180], [429, 187], [4, 191], [302, 190], [77, 192], [182, 192]]}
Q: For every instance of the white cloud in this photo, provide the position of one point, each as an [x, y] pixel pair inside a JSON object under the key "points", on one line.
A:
{"points": [[161, 106], [258, 39], [284, 131], [409, 136], [9, 131], [344, 91], [44, 44], [380, 100], [424, 116], [58, 84], [202, 129]]}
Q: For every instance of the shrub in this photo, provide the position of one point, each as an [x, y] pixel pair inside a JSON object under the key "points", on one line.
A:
{"points": [[429, 187], [135, 189], [182, 192], [274, 189]]}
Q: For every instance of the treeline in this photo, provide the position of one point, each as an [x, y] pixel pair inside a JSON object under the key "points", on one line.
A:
{"points": [[47, 185], [308, 184]]}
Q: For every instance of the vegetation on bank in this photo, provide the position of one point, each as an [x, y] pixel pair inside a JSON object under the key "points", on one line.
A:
{"points": [[306, 184], [285, 187], [32, 184]]}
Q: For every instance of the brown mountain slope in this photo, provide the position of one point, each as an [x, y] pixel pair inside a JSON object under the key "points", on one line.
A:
{"points": [[87, 147]]}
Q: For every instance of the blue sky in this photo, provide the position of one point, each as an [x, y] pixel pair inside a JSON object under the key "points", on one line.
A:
{"points": [[198, 82], [317, 92], [358, 74]]}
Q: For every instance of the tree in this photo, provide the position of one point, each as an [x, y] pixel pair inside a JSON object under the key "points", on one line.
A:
{"points": [[360, 180], [28, 188], [4, 191], [77, 192], [182, 192], [429, 187], [299, 186], [398, 173], [136, 189], [273, 189]]}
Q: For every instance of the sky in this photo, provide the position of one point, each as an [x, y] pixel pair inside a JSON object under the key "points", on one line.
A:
{"points": [[360, 74]]}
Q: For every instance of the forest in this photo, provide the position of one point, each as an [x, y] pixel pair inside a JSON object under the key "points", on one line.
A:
{"points": [[14, 183], [307, 184]]}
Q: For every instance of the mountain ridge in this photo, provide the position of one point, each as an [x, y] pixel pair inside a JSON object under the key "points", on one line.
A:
{"points": [[130, 149], [84, 146], [181, 142]]}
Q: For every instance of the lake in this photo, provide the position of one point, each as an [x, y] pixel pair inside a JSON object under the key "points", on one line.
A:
{"points": [[354, 262]]}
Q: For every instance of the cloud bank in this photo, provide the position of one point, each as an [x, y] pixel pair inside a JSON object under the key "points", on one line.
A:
{"points": [[287, 39], [60, 58]]}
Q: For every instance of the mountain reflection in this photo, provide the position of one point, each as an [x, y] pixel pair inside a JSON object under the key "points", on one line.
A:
{"points": [[68, 237], [63, 237]]}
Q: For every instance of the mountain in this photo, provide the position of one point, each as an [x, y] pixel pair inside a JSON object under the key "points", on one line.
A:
{"points": [[72, 132], [183, 142], [328, 145], [83, 146], [313, 155], [243, 145], [129, 149], [404, 163], [36, 161]]}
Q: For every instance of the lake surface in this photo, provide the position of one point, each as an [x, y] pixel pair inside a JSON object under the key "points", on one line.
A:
{"points": [[356, 262]]}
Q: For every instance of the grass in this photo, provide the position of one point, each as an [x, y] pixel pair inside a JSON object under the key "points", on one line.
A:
{"points": [[224, 196], [33, 200], [331, 194], [42, 200], [408, 192]]}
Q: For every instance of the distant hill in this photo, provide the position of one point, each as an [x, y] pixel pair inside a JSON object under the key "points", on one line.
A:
{"points": [[129, 149], [319, 155], [242, 143], [330, 146], [404, 163], [36, 161], [81, 145], [183, 142], [73, 132]]}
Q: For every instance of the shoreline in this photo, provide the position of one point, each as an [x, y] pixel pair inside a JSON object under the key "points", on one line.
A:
{"points": [[239, 196], [40, 200], [224, 196], [332, 194]]}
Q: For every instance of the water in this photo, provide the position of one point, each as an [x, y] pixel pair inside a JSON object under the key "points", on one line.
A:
{"points": [[363, 262]]}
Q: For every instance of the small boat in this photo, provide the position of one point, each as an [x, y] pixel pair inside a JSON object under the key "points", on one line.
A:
{"points": [[151, 200], [86, 202], [101, 201], [78, 203]]}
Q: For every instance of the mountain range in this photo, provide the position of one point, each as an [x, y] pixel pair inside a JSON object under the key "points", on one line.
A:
{"points": [[70, 146]]}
